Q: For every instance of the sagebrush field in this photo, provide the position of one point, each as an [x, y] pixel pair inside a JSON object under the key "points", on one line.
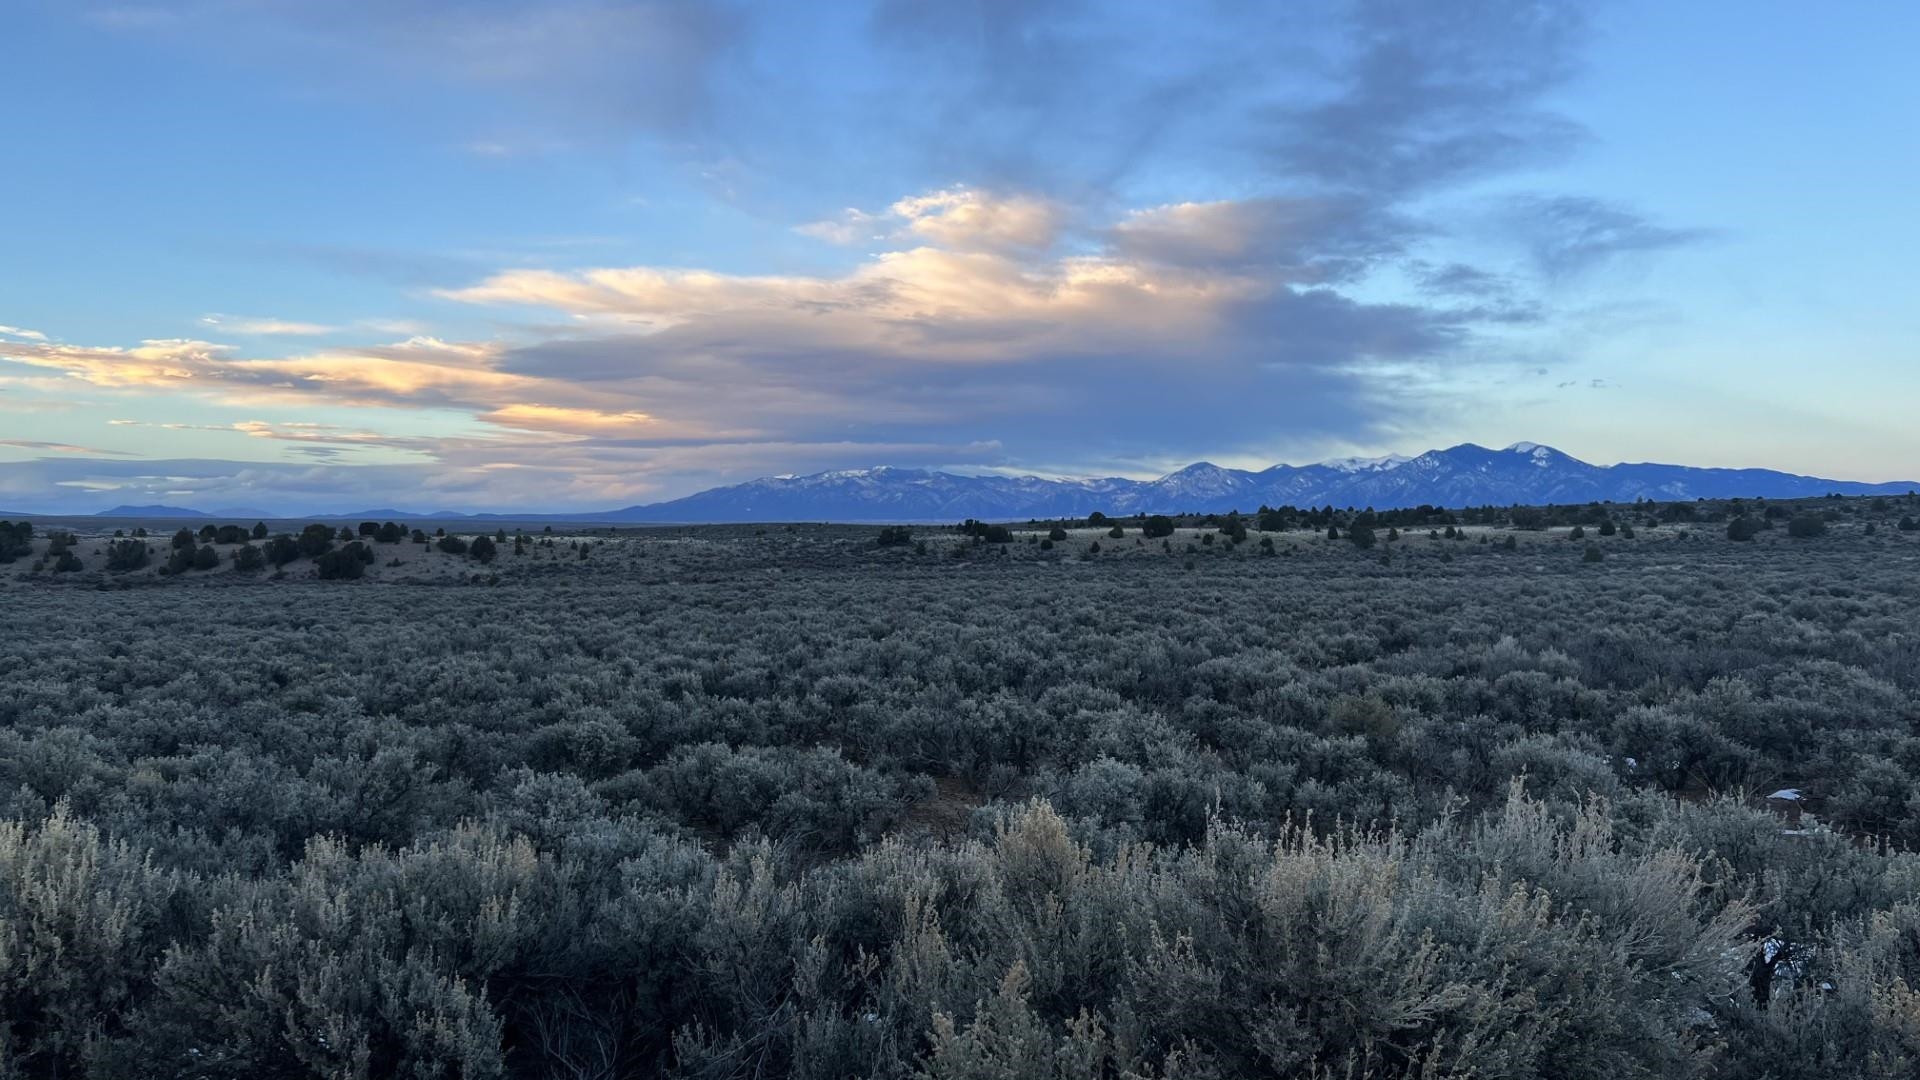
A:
{"points": [[785, 801]]}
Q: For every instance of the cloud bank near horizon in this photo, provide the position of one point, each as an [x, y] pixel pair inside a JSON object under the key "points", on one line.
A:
{"points": [[1074, 243]]}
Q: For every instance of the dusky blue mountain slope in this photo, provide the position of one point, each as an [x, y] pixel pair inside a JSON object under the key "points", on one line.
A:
{"points": [[1465, 475], [152, 510]]}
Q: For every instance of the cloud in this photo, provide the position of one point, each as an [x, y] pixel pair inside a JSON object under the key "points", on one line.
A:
{"points": [[1166, 326], [1426, 95], [420, 371], [593, 65], [1475, 294], [974, 221], [410, 328], [1063, 96], [1303, 239], [158, 362], [253, 326], [1459, 279], [957, 218], [1181, 320], [915, 307], [1568, 235], [532, 416], [58, 447], [1132, 235], [293, 431], [1385, 99], [406, 370], [269, 327], [851, 227], [416, 374], [1072, 100], [536, 417], [24, 335], [240, 324]]}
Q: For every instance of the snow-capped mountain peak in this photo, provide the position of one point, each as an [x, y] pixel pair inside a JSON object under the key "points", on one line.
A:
{"points": [[1200, 480], [1367, 464], [1542, 455], [1525, 473]]}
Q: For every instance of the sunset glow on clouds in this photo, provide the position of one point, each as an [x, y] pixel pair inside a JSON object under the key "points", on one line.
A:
{"points": [[972, 236], [903, 339]]}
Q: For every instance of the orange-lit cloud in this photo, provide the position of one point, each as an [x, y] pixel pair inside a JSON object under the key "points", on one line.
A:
{"points": [[419, 371], [921, 304], [975, 319], [535, 417], [240, 324], [960, 219]]}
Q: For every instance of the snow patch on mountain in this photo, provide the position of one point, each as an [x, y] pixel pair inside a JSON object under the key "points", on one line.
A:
{"points": [[1368, 464]]}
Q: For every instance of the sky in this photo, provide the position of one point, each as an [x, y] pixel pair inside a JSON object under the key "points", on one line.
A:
{"points": [[300, 256]]}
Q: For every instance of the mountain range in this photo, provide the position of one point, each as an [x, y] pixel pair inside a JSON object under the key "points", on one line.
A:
{"points": [[1465, 475]]}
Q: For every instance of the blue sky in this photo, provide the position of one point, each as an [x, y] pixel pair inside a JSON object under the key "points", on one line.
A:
{"points": [[585, 253]]}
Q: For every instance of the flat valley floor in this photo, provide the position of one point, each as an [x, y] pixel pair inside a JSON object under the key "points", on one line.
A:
{"points": [[774, 801]]}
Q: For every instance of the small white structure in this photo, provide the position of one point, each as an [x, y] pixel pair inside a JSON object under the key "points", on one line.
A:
{"points": [[1786, 803]]}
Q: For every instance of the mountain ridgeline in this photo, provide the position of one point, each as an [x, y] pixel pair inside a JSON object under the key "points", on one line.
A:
{"points": [[1465, 475], [1524, 474]]}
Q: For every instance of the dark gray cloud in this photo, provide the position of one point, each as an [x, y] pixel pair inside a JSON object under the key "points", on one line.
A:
{"points": [[1269, 357], [1305, 240], [800, 111], [1459, 279], [1429, 94], [1044, 95], [1387, 98], [1473, 295], [1567, 235], [1338, 119], [582, 65]]}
